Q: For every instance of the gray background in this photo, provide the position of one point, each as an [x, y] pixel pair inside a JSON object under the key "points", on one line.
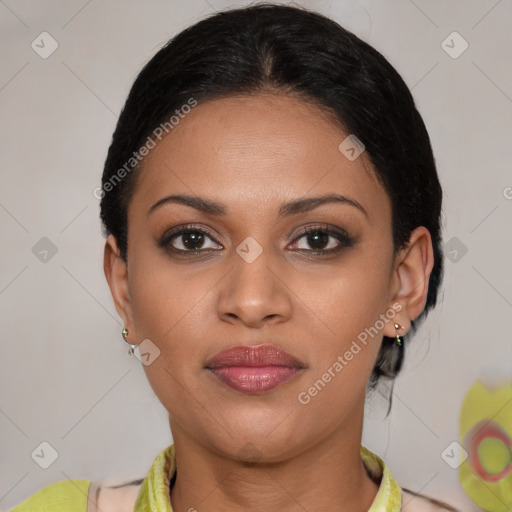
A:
{"points": [[66, 377]]}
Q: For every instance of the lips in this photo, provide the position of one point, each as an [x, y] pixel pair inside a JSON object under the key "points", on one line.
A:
{"points": [[253, 356], [254, 369]]}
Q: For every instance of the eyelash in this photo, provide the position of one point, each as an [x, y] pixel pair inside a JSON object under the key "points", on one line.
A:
{"points": [[341, 235]]}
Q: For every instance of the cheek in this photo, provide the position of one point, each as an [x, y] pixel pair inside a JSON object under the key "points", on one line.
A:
{"points": [[160, 298], [350, 302], [353, 295], [344, 357], [171, 307]]}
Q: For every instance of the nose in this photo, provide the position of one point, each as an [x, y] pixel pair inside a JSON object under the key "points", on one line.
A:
{"points": [[256, 293]]}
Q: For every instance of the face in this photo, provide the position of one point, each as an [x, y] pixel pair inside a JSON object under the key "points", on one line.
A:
{"points": [[198, 282]]}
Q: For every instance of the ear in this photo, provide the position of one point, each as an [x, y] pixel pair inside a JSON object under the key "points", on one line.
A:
{"points": [[116, 272], [411, 274]]}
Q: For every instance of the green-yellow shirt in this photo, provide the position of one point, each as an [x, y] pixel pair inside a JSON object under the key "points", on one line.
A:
{"points": [[76, 495]]}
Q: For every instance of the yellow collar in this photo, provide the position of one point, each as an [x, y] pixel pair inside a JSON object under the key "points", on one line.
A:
{"points": [[154, 493]]}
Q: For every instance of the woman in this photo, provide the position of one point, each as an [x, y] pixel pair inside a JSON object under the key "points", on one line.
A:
{"points": [[272, 213]]}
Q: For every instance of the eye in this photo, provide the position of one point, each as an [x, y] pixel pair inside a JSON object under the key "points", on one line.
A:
{"points": [[323, 239], [192, 240], [188, 239]]}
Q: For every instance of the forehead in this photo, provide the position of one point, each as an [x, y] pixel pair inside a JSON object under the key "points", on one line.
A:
{"points": [[249, 151]]}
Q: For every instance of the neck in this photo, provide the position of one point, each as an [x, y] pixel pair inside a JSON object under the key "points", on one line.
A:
{"points": [[327, 476]]}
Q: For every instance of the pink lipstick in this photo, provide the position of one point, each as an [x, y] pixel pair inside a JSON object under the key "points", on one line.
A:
{"points": [[254, 369]]}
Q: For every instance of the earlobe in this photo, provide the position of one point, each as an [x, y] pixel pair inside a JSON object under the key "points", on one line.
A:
{"points": [[116, 273], [411, 278]]}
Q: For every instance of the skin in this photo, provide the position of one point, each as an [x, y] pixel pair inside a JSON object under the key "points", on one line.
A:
{"points": [[253, 154]]}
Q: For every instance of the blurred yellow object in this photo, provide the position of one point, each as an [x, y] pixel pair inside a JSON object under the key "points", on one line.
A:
{"points": [[486, 435]]}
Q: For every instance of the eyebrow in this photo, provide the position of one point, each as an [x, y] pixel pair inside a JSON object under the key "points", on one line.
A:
{"points": [[296, 206]]}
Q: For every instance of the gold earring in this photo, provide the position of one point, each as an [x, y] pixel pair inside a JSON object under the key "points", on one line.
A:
{"points": [[124, 333], [399, 338]]}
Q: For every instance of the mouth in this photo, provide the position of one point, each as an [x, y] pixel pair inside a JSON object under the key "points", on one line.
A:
{"points": [[254, 369]]}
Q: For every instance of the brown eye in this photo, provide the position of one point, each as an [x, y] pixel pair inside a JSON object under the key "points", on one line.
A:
{"points": [[317, 239], [323, 240], [188, 240], [191, 240]]}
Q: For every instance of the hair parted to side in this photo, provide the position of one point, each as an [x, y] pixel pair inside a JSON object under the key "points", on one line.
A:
{"points": [[290, 50]]}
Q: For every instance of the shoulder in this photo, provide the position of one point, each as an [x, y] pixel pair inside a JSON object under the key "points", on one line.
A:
{"points": [[415, 502], [119, 498], [65, 496], [82, 496]]}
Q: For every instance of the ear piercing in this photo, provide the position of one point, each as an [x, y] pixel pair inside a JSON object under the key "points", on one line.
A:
{"points": [[399, 339], [124, 333]]}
